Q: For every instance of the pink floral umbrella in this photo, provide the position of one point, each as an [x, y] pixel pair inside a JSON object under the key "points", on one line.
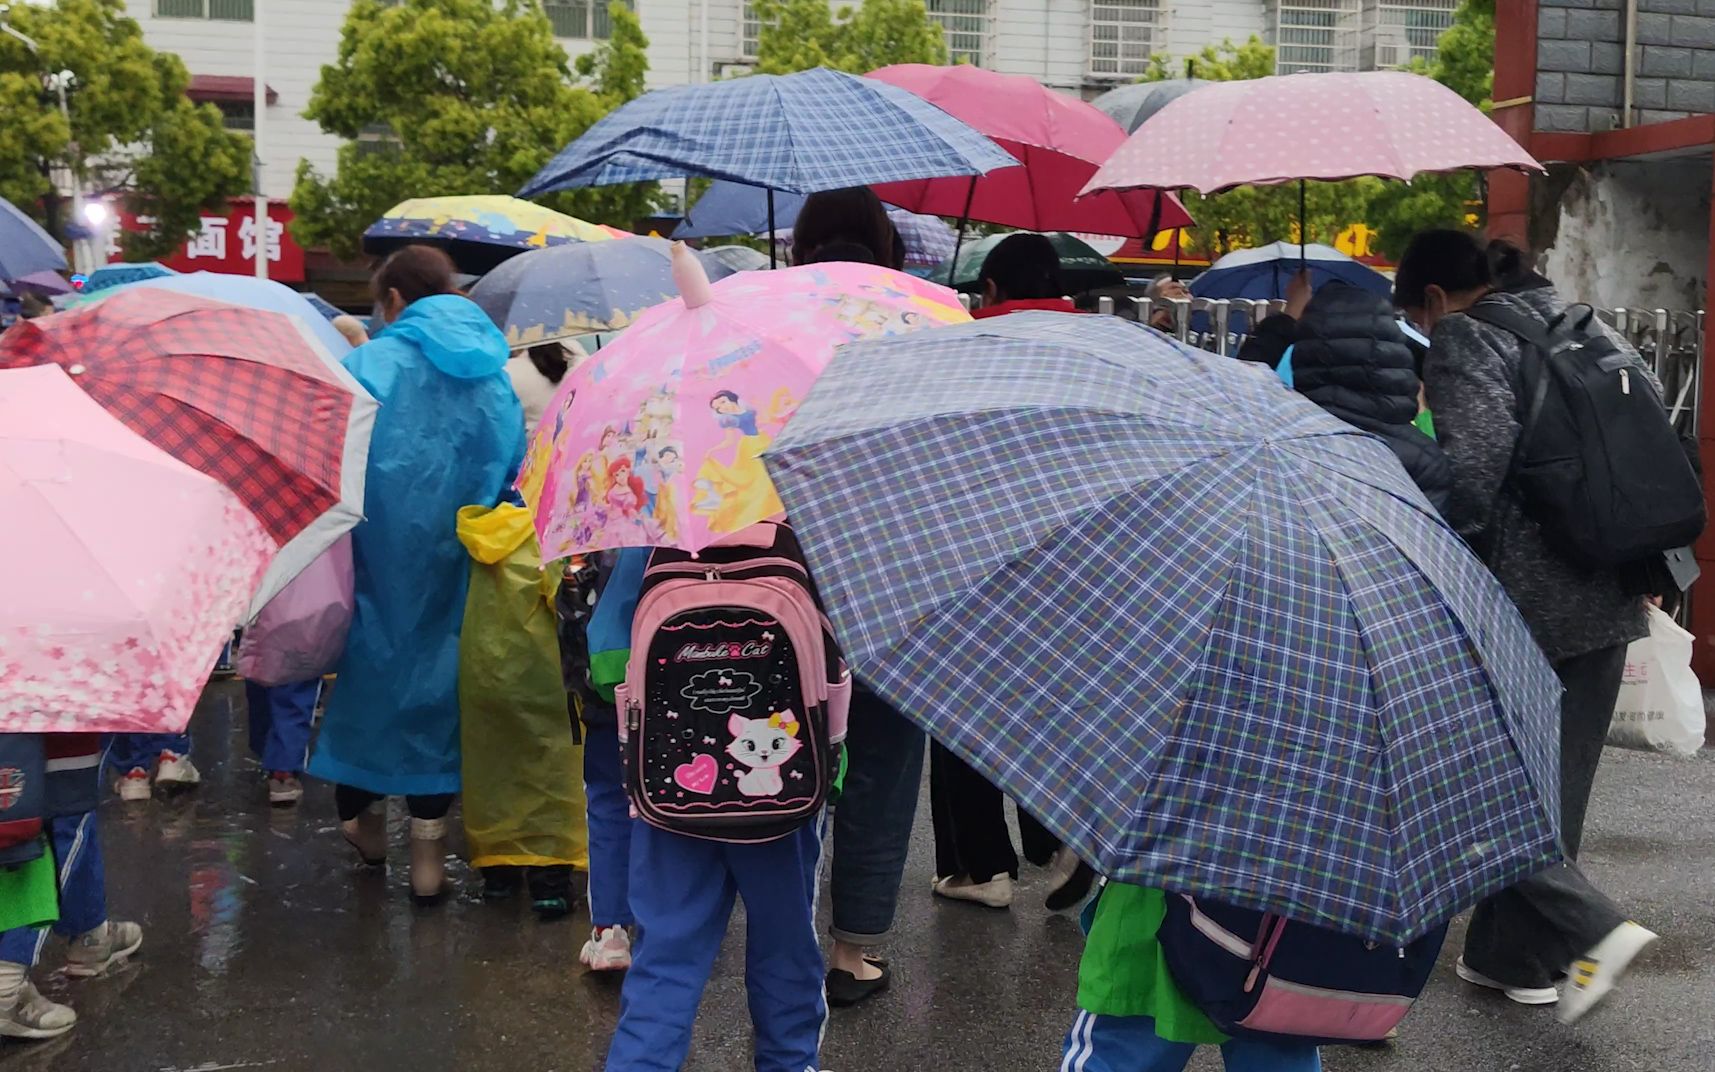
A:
{"points": [[1308, 126], [124, 569], [657, 440]]}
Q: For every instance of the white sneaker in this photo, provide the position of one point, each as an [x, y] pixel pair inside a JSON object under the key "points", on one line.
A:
{"points": [[134, 785], [1595, 973], [25, 1013], [94, 952], [284, 789], [1524, 995], [607, 950], [995, 893], [176, 772]]}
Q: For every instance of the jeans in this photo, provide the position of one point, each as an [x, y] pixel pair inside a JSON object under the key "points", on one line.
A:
{"points": [[872, 821], [608, 812], [1530, 932], [350, 802], [971, 837], [280, 723], [683, 889], [128, 751], [1130, 1044], [83, 888]]}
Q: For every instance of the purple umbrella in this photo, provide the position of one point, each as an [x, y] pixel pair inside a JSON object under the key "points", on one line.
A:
{"points": [[44, 282]]}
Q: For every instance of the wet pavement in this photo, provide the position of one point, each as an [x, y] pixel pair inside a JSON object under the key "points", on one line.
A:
{"points": [[266, 949]]}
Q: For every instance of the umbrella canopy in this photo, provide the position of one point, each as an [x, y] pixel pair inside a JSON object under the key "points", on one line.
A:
{"points": [[928, 239], [478, 231], [1130, 105], [243, 395], [114, 275], [46, 283], [124, 568], [1262, 274], [656, 439], [565, 291], [327, 309], [1081, 267], [1058, 139], [1211, 636], [24, 246], [733, 208], [1326, 126], [798, 133], [735, 258], [252, 293]]}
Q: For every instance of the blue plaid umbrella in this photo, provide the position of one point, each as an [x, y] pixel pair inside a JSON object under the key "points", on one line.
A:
{"points": [[797, 133], [114, 275], [24, 246], [1210, 635]]}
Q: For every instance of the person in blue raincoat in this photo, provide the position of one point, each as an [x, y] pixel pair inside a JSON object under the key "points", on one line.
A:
{"points": [[450, 433]]}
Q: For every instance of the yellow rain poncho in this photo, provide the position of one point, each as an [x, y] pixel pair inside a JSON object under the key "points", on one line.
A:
{"points": [[523, 772]]}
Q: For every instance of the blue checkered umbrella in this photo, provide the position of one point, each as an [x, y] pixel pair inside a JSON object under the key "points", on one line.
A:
{"points": [[1210, 635], [798, 133]]}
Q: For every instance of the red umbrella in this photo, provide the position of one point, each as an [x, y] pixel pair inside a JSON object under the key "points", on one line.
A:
{"points": [[239, 394], [1060, 141], [1302, 126]]}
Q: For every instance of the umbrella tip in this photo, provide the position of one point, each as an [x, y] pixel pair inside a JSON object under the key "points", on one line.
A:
{"points": [[690, 278]]}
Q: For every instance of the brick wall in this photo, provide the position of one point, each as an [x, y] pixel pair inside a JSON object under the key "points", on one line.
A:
{"points": [[1581, 62]]}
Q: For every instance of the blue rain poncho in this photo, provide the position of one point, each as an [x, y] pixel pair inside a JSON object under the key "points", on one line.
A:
{"points": [[450, 433]]}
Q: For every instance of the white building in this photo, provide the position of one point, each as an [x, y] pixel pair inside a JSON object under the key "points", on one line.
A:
{"points": [[1082, 46]]}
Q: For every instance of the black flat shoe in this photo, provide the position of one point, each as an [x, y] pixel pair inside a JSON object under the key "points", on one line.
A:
{"points": [[1073, 892], [846, 989]]}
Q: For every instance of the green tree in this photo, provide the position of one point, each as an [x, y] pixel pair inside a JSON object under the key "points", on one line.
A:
{"points": [[1256, 215], [1465, 63], [800, 34], [133, 131], [438, 97]]}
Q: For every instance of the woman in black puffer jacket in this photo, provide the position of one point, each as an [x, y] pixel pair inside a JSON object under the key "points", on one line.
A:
{"points": [[1351, 358]]}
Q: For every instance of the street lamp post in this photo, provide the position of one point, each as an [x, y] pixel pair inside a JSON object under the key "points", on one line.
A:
{"points": [[57, 82], [259, 98]]}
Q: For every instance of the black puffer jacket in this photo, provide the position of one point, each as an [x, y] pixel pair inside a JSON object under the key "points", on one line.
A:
{"points": [[1352, 359]]}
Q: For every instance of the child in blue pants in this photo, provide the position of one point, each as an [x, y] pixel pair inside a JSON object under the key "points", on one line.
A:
{"points": [[682, 891], [281, 719]]}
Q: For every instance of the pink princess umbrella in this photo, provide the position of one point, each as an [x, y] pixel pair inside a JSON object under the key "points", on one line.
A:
{"points": [[124, 569], [657, 440]]}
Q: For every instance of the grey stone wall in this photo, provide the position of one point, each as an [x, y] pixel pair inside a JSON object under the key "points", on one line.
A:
{"points": [[1581, 62]]}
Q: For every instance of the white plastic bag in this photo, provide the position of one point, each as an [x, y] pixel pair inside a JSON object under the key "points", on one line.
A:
{"points": [[1661, 702]]}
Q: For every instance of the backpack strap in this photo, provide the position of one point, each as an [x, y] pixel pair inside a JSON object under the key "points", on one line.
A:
{"points": [[1535, 337]]}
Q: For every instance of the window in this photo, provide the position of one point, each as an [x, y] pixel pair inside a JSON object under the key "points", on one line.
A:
{"points": [[967, 24], [230, 10], [377, 139], [238, 115], [1123, 35], [750, 32], [580, 18], [1397, 32], [1315, 35]]}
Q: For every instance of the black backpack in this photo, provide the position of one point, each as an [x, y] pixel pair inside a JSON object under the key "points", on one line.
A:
{"points": [[1598, 464]]}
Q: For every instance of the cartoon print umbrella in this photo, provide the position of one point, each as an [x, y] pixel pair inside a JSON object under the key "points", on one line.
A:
{"points": [[656, 439], [243, 395], [479, 231], [1211, 636], [567, 291], [124, 568]]}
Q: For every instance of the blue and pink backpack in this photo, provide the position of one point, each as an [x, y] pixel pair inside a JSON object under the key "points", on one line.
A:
{"points": [[735, 696]]}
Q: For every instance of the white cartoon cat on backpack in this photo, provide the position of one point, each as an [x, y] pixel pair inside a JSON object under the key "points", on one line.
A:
{"points": [[764, 745]]}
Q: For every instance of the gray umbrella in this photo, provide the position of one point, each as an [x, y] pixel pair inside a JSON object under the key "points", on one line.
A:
{"points": [[1131, 105]]}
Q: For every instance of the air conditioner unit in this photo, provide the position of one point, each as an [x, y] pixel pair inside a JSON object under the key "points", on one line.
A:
{"points": [[733, 68]]}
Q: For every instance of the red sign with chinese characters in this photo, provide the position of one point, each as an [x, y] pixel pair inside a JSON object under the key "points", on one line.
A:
{"points": [[229, 243]]}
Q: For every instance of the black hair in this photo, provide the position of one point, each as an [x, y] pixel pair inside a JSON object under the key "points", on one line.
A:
{"points": [[1023, 267], [896, 252], [550, 360], [840, 251], [1455, 261], [853, 215], [1511, 267], [416, 272], [728, 395]]}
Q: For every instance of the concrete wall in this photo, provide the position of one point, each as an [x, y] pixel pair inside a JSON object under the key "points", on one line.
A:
{"points": [[1581, 62], [1597, 254]]}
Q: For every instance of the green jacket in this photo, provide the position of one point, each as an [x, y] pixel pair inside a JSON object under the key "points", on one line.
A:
{"points": [[1124, 972]]}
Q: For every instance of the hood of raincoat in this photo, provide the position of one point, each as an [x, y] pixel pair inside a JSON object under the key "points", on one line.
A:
{"points": [[454, 334], [491, 534]]}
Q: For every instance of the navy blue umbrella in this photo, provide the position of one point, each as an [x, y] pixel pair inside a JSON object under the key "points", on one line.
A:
{"points": [[24, 246], [1262, 274], [732, 208]]}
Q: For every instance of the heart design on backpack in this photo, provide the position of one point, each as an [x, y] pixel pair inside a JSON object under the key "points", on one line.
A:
{"points": [[698, 775]]}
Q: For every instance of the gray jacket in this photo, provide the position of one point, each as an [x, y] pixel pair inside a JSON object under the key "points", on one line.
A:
{"points": [[1468, 378]]}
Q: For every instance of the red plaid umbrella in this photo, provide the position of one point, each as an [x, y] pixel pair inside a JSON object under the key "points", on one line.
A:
{"points": [[238, 393]]}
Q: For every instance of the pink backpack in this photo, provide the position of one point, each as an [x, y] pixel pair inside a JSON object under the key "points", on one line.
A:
{"points": [[735, 698]]}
